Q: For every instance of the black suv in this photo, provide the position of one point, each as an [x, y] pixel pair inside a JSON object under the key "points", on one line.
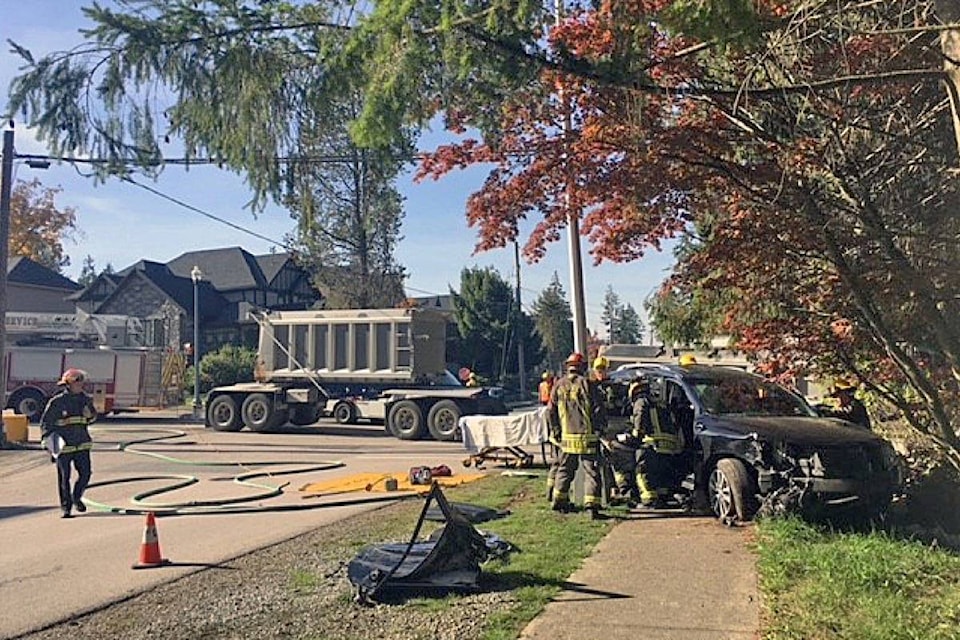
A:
{"points": [[748, 439]]}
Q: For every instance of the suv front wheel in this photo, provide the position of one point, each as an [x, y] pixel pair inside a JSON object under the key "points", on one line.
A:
{"points": [[732, 491]]}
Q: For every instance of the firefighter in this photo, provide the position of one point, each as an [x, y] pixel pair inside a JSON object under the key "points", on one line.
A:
{"points": [[601, 368], [576, 416], [687, 360], [65, 419], [848, 406], [662, 439], [545, 387], [620, 459]]}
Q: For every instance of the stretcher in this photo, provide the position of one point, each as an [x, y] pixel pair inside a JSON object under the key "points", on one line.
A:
{"points": [[502, 439]]}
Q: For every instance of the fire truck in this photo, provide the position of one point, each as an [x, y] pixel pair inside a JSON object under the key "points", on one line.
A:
{"points": [[121, 375]]}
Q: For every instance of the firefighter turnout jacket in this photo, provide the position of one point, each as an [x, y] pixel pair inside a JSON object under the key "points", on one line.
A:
{"points": [[67, 415], [577, 414], [656, 426]]}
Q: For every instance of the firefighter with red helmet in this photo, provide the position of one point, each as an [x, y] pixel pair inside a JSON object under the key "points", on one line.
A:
{"points": [[64, 426], [576, 416]]}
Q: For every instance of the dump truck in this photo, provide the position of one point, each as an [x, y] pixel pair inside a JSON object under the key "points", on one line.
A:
{"points": [[378, 364]]}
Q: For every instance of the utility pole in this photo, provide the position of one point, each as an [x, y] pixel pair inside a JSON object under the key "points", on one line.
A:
{"points": [[6, 186], [573, 226], [521, 365]]}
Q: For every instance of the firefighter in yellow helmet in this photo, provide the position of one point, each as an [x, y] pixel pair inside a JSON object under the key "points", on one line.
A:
{"points": [[687, 360], [64, 427], [576, 416], [601, 368], [618, 453]]}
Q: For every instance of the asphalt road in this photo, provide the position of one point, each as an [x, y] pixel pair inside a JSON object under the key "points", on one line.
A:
{"points": [[52, 569]]}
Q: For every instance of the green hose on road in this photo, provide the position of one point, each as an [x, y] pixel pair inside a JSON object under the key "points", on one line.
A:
{"points": [[238, 504]]}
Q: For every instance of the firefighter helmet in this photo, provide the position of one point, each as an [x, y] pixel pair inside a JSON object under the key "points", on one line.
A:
{"points": [[547, 375], [843, 384], [574, 361], [73, 375], [687, 359], [600, 362]]}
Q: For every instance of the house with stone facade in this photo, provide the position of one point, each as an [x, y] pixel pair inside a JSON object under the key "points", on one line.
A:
{"points": [[233, 282]]}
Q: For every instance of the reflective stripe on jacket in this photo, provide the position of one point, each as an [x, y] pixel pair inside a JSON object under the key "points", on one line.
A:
{"points": [[658, 428], [67, 415]]}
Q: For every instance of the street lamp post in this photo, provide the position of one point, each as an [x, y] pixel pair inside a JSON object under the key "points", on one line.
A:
{"points": [[196, 275]]}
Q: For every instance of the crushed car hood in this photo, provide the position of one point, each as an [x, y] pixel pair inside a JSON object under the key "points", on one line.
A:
{"points": [[795, 429]]}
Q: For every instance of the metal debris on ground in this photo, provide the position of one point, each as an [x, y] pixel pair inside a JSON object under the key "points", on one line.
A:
{"points": [[449, 560]]}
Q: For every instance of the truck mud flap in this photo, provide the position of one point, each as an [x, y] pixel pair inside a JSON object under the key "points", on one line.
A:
{"points": [[448, 561]]}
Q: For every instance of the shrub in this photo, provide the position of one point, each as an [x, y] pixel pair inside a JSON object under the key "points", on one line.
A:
{"points": [[227, 365]]}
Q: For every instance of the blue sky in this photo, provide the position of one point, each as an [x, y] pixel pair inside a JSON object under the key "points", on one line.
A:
{"points": [[121, 224]]}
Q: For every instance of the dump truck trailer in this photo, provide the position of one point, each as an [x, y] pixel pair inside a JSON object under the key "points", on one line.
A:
{"points": [[380, 364]]}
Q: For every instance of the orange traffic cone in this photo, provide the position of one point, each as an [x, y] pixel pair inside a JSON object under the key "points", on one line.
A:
{"points": [[150, 547]]}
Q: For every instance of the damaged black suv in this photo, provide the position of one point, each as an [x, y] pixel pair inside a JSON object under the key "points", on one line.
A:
{"points": [[750, 441]]}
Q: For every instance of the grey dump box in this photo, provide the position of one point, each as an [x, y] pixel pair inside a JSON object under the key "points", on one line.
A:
{"points": [[377, 364], [366, 345]]}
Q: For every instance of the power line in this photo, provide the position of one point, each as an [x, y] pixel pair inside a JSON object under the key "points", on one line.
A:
{"points": [[188, 161], [206, 214]]}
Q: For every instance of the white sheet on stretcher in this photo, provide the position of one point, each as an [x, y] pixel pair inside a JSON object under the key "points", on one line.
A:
{"points": [[517, 430]]}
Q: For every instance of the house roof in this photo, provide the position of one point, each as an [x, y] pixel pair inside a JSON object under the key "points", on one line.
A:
{"points": [[23, 270], [271, 264], [113, 279], [226, 269], [178, 288]]}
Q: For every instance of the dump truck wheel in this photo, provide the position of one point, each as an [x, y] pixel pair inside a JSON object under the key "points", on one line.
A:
{"points": [[406, 420], [731, 492], [28, 402], [345, 412], [303, 415], [258, 412], [223, 415], [443, 420]]}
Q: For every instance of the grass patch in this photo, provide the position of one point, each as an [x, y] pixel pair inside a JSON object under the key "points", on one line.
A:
{"points": [[304, 581], [824, 585]]}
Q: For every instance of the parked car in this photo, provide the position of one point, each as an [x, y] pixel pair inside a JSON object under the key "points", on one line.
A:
{"points": [[747, 439]]}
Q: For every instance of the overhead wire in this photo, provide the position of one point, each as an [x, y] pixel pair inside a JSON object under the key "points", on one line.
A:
{"points": [[206, 214]]}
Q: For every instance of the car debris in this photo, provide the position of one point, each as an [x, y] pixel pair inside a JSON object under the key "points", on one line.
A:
{"points": [[448, 560]]}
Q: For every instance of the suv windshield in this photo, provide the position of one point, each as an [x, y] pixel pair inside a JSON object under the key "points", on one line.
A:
{"points": [[747, 395]]}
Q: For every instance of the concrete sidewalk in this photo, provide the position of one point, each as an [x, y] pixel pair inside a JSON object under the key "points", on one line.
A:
{"points": [[659, 576]]}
